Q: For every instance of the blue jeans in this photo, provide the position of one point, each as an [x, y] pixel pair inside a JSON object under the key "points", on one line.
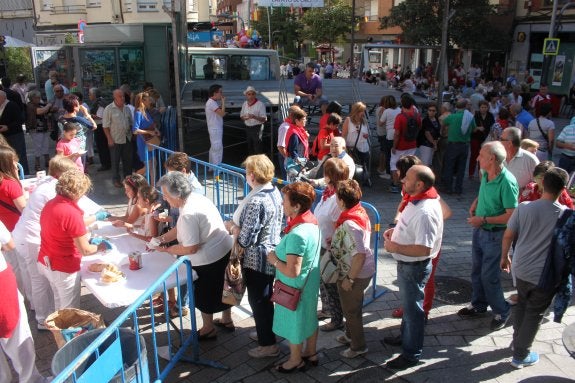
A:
{"points": [[454, 164], [411, 278], [486, 272]]}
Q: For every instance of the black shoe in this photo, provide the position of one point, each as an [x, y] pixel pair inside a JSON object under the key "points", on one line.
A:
{"points": [[470, 311], [401, 363], [103, 168], [498, 322], [299, 368], [392, 340]]}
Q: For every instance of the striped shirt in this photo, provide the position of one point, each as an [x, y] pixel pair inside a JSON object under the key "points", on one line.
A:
{"points": [[568, 136]]}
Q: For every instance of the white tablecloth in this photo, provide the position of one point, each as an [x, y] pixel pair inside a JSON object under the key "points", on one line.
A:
{"points": [[124, 293]]}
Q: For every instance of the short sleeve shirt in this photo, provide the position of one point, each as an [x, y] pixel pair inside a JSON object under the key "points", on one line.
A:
{"points": [[308, 86], [496, 196], [119, 121], [567, 135], [9, 190], [200, 223], [212, 118], [400, 126], [522, 166], [61, 221]]}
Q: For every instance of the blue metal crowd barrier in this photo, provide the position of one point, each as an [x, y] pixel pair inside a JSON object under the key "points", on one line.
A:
{"points": [[20, 171], [107, 363], [223, 185]]}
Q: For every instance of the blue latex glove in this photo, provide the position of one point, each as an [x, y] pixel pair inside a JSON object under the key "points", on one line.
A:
{"points": [[102, 215], [97, 241]]}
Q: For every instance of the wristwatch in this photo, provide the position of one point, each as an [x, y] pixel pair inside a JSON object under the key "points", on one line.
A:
{"points": [[349, 279], [484, 220]]}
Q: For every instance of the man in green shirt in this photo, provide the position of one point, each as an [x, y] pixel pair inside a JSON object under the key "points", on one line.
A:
{"points": [[489, 213], [459, 126]]}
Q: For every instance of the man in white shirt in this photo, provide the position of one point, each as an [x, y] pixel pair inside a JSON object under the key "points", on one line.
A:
{"points": [[520, 163], [253, 114], [413, 243], [215, 120]]}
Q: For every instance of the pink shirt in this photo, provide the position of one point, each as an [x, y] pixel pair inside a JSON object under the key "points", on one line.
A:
{"points": [[70, 147]]}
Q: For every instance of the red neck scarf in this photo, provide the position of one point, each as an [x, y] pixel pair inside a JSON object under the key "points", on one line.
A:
{"points": [[328, 192], [430, 193], [255, 100], [302, 134], [356, 214], [305, 217]]}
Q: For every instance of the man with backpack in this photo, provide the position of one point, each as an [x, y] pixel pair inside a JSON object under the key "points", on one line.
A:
{"points": [[407, 126], [532, 223], [458, 127]]}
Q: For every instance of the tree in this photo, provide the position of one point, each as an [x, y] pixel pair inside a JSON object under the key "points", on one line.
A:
{"points": [[284, 26], [328, 24], [18, 61], [469, 27]]}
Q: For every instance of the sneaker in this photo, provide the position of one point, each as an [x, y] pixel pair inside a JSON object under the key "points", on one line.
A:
{"points": [[393, 340], [343, 339], [512, 299], [264, 352], [401, 363], [498, 322], [254, 336], [385, 176], [530, 360], [350, 354], [470, 311]]}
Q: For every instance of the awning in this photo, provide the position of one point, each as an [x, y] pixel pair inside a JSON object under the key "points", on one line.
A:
{"points": [[12, 42]]}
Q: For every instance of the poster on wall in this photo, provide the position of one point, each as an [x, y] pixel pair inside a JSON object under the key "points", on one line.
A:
{"points": [[558, 70]]}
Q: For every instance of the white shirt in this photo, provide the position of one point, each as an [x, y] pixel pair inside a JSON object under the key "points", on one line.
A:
{"points": [[327, 212], [212, 118], [352, 136], [419, 224], [28, 226], [534, 133], [200, 223], [257, 109], [282, 132], [4, 239], [388, 118], [522, 166]]}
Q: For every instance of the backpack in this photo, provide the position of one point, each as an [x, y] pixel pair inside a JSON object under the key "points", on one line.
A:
{"points": [[560, 261], [412, 127]]}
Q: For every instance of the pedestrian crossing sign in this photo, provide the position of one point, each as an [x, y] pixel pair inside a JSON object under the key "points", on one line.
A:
{"points": [[551, 47]]}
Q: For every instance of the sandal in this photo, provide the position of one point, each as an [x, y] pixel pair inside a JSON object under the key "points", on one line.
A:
{"points": [[300, 367], [228, 326], [210, 335], [308, 359]]}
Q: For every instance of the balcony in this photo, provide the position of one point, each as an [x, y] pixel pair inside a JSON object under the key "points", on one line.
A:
{"points": [[69, 10]]}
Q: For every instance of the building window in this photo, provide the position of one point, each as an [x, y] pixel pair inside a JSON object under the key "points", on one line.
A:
{"points": [[371, 9], [47, 5], [147, 6]]}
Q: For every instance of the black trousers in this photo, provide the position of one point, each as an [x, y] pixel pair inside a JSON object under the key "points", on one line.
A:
{"points": [[102, 146], [260, 289], [121, 153], [254, 138], [529, 312]]}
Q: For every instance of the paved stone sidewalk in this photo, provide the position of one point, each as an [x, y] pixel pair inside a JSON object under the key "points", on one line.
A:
{"points": [[455, 349]]}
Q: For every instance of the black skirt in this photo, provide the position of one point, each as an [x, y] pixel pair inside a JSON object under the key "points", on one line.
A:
{"points": [[209, 286]]}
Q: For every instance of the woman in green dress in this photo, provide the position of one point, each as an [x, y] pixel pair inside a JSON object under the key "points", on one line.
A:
{"points": [[296, 259]]}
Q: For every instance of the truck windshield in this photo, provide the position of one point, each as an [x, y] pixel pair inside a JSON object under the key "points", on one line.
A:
{"points": [[235, 67]]}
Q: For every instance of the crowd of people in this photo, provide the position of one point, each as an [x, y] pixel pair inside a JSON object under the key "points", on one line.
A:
{"points": [[325, 250]]}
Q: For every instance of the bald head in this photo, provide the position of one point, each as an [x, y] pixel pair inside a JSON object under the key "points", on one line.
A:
{"points": [[424, 174], [119, 97]]}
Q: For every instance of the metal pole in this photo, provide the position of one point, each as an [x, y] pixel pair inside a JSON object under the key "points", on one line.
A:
{"points": [[351, 61], [175, 51], [443, 53], [546, 59], [269, 29]]}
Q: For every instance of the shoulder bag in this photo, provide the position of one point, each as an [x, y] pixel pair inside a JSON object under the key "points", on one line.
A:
{"points": [[288, 296]]}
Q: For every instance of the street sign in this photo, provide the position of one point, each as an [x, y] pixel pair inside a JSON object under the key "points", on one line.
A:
{"points": [[550, 47]]}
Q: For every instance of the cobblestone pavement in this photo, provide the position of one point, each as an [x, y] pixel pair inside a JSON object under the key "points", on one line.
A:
{"points": [[458, 349]]}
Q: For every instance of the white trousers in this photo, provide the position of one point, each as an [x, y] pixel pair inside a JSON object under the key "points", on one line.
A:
{"points": [[20, 349], [425, 154], [66, 287], [17, 263], [42, 297], [216, 145]]}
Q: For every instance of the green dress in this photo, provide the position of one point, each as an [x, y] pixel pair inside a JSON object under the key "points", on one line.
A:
{"points": [[298, 325]]}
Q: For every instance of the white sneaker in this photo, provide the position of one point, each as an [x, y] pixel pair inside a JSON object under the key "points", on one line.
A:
{"points": [[264, 352], [350, 354]]}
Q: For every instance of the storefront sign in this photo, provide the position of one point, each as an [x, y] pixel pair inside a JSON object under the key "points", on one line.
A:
{"points": [[291, 3]]}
